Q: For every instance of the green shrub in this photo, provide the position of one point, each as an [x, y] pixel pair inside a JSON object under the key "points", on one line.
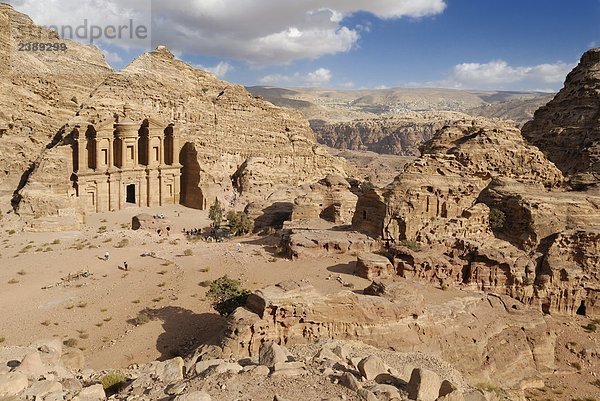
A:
{"points": [[71, 342], [497, 219], [141, 318], [215, 213], [227, 295], [123, 243], [590, 328], [240, 223], [188, 252], [113, 382]]}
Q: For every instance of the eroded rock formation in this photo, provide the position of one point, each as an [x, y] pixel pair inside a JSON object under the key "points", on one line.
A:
{"points": [[233, 145], [482, 208], [567, 129], [490, 331], [398, 135]]}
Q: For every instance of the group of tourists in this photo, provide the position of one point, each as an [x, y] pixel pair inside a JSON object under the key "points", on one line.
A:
{"points": [[194, 232]]}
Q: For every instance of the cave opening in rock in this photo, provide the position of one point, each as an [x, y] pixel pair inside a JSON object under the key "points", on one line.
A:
{"points": [[130, 194], [191, 194], [582, 309]]}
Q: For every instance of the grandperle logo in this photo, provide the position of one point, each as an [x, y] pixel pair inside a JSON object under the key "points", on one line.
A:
{"points": [[91, 33]]}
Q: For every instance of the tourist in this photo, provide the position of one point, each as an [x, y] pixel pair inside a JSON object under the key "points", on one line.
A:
{"points": [[125, 265], [106, 256]]}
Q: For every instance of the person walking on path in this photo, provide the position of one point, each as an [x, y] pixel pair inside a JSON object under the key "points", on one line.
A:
{"points": [[106, 256], [125, 265]]}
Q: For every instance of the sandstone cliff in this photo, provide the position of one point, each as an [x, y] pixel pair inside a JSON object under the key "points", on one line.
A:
{"points": [[41, 91], [484, 209], [234, 145], [398, 135], [567, 129]]}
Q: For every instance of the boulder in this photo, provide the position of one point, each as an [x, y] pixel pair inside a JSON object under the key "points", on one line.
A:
{"points": [[92, 393], [385, 392], [194, 396], [42, 388], [12, 384], [32, 366], [271, 354], [202, 366], [350, 381], [148, 222], [326, 354], [73, 359], [424, 385], [288, 369], [371, 366], [170, 371], [372, 266], [221, 368]]}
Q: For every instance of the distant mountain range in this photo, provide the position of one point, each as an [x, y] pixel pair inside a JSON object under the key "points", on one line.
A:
{"points": [[330, 105]]}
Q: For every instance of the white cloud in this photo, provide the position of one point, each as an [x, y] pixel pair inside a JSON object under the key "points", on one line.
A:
{"points": [[220, 70], [499, 72], [317, 77], [258, 31], [111, 57]]}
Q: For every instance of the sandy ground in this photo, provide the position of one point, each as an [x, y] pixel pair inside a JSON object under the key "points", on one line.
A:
{"points": [[97, 311]]}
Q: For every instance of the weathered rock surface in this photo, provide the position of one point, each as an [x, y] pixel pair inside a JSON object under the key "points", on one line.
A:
{"points": [[372, 266], [483, 327], [249, 147], [567, 129], [41, 91], [330, 199], [424, 385], [398, 135], [482, 208], [304, 242]]}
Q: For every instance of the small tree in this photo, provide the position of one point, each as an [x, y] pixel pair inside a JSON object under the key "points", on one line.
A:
{"points": [[215, 213], [227, 295], [497, 219], [240, 223]]}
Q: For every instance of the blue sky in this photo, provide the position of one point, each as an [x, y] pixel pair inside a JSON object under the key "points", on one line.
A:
{"points": [[471, 44]]}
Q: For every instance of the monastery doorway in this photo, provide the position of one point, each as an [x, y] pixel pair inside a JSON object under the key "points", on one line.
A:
{"points": [[131, 194]]}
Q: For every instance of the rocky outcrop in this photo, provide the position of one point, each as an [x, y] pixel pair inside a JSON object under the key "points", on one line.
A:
{"points": [[483, 327], [373, 266], [151, 223], [567, 128], [310, 242], [331, 199], [443, 185], [235, 144], [569, 279], [481, 208]]}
